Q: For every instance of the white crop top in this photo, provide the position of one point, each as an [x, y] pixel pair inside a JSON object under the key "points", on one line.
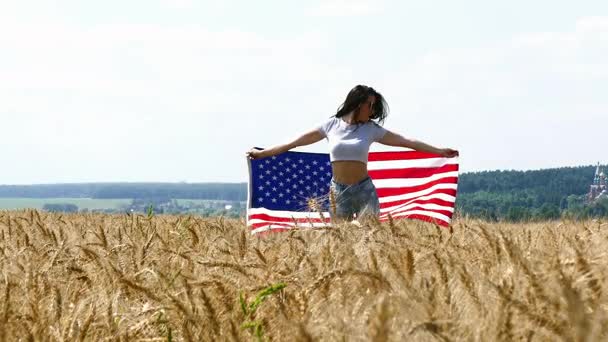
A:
{"points": [[350, 141]]}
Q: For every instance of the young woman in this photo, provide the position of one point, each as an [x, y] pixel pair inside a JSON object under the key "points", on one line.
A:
{"points": [[350, 133]]}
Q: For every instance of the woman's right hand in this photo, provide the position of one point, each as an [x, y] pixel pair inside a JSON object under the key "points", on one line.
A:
{"points": [[255, 154]]}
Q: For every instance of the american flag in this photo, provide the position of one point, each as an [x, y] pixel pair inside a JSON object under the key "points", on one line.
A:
{"points": [[410, 184]]}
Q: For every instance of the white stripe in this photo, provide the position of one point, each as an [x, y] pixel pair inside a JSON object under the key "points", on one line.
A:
{"points": [[286, 214], [417, 193], [445, 197], [430, 206], [406, 182], [422, 212], [409, 163]]}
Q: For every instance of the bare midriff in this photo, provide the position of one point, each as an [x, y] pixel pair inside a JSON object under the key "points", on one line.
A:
{"points": [[349, 171]]}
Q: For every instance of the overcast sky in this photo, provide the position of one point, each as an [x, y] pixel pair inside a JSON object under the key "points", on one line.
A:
{"points": [[162, 90]]}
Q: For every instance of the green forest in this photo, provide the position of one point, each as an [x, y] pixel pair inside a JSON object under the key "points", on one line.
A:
{"points": [[529, 195], [491, 195]]}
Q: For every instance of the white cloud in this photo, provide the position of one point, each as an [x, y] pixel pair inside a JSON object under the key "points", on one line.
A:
{"points": [[346, 8]]}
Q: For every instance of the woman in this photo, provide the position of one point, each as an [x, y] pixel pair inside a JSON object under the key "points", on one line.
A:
{"points": [[350, 133]]}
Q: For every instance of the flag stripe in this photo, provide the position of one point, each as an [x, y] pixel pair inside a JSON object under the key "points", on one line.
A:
{"points": [[407, 164], [421, 217], [394, 191], [408, 183], [400, 204], [414, 172], [400, 155]]}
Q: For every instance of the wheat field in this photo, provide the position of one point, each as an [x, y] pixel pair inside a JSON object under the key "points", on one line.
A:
{"points": [[97, 277]]}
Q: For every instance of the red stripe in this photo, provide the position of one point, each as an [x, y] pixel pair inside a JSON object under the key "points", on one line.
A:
{"points": [[418, 201], [414, 172], [400, 155], [423, 218], [438, 211], [383, 192]]}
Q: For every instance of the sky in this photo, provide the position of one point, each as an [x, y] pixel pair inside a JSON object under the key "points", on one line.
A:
{"points": [[178, 91]]}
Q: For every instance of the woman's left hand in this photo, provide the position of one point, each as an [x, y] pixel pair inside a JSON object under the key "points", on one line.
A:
{"points": [[448, 153]]}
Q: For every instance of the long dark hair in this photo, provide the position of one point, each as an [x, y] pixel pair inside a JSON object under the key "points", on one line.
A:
{"points": [[357, 96]]}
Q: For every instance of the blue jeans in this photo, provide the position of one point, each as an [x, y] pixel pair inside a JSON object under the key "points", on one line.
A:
{"points": [[355, 200]]}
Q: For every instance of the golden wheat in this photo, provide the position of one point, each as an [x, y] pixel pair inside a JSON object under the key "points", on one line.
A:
{"points": [[156, 278]]}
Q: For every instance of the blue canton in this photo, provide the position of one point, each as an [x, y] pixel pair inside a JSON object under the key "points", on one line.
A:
{"points": [[287, 181]]}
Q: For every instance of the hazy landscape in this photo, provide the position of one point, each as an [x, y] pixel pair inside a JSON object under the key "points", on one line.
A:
{"points": [[496, 196]]}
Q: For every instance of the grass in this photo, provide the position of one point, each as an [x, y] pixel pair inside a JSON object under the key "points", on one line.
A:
{"points": [[133, 277]]}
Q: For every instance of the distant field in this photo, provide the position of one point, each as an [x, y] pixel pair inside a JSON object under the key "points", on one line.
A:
{"points": [[82, 203]]}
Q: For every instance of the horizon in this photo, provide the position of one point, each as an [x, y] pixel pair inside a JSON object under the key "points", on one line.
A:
{"points": [[178, 91], [246, 182]]}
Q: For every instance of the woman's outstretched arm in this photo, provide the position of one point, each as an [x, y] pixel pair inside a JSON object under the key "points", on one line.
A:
{"points": [[303, 140], [394, 139]]}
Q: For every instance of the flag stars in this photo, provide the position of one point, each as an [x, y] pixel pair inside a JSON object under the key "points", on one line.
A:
{"points": [[267, 182], [307, 167], [314, 173], [267, 194], [281, 184], [280, 194], [268, 172], [274, 178], [260, 199], [307, 177], [314, 162], [267, 161], [274, 188], [261, 166], [274, 200], [261, 188]]}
